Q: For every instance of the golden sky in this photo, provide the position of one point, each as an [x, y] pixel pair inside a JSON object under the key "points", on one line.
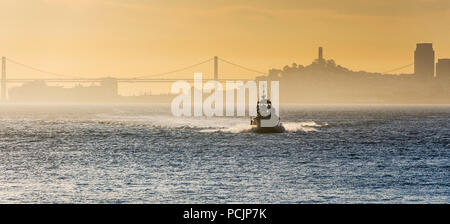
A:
{"points": [[126, 38]]}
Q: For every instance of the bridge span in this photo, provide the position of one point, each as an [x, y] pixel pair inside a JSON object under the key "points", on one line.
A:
{"points": [[151, 78]]}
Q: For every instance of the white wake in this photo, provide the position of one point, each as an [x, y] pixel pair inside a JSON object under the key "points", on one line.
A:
{"points": [[309, 126], [208, 124]]}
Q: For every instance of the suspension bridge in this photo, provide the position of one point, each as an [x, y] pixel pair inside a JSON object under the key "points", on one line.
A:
{"points": [[149, 78], [163, 77]]}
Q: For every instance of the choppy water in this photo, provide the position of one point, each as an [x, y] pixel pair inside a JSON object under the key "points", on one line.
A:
{"points": [[141, 154]]}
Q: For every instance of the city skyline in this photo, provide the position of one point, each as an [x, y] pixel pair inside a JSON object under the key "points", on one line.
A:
{"points": [[322, 81], [425, 64], [103, 37]]}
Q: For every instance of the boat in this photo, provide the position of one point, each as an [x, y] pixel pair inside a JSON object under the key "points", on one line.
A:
{"points": [[266, 114]]}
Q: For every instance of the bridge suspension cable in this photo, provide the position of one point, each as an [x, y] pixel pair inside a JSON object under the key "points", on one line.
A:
{"points": [[243, 67], [135, 77], [174, 71], [43, 71], [399, 68]]}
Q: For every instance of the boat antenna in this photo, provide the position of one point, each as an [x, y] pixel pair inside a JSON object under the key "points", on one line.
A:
{"points": [[264, 92]]}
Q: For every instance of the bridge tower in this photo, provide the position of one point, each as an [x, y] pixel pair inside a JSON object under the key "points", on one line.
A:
{"points": [[3, 95], [216, 68]]}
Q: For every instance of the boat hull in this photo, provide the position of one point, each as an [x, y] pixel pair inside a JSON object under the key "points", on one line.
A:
{"points": [[256, 123], [276, 129]]}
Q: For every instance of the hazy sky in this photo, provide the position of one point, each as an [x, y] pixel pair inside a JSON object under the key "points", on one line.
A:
{"points": [[128, 37]]}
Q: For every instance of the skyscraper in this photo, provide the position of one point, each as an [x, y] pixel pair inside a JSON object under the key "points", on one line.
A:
{"points": [[424, 61], [443, 68]]}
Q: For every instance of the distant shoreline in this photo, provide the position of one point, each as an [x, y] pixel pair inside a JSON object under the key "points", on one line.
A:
{"points": [[168, 104]]}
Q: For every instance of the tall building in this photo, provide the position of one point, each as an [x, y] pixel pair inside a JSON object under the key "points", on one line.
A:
{"points": [[320, 53], [443, 68], [320, 59], [424, 61]]}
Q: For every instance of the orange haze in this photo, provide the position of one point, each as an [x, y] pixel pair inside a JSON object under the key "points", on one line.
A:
{"points": [[125, 38]]}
